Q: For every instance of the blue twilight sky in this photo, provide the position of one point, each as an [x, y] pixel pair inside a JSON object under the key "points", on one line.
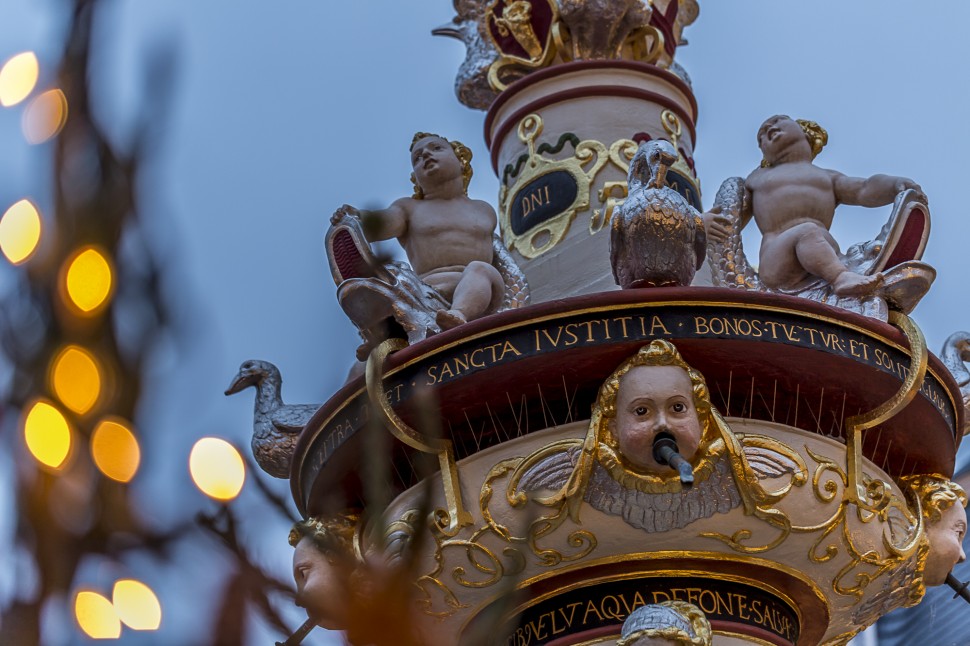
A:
{"points": [[283, 111]]}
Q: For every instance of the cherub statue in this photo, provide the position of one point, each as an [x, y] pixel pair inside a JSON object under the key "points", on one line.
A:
{"points": [[459, 268], [793, 203], [323, 564], [945, 520], [615, 468], [668, 623]]}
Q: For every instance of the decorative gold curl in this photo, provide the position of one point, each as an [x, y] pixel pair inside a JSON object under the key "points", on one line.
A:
{"points": [[485, 567], [449, 520], [757, 501], [894, 554]]}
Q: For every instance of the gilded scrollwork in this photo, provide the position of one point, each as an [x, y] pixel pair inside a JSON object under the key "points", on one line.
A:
{"points": [[612, 194], [758, 501], [861, 498], [535, 216], [902, 544], [537, 210]]}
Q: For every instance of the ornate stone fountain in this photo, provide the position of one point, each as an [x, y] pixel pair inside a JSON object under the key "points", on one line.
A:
{"points": [[803, 491]]}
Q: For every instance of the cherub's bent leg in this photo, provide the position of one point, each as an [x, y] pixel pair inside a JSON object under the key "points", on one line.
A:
{"points": [[817, 252], [477, 292]]}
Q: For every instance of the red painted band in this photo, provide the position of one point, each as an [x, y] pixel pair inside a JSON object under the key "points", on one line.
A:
{"points": [[575, 66], [582, 92]]}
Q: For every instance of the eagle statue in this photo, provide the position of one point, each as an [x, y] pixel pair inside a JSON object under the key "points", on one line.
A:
{"points": [[657, 238]]}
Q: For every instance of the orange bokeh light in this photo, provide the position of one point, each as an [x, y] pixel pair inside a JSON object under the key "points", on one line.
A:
{"points": [[76, 378], [45, 116], [217, 468], [115, 450], [18, 77], [88, 280]]}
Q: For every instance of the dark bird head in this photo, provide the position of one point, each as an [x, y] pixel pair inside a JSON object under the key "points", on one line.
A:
{"points": [[471, 84], [251, 373], [453, 29]]}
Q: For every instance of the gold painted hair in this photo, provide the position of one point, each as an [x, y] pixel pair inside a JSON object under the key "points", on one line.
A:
{"points": [[660, 352], [331, 535], [691, 614], [937, 493], [816, 135], [462, 152]]}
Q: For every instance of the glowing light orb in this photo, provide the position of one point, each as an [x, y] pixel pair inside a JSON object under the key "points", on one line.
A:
{"points": [[44, 117], [115, 451], [88, 280], [76, 378], [18, 76], [47, 434], [217, 468], [96, 615], [19, 231], [136, 605]]}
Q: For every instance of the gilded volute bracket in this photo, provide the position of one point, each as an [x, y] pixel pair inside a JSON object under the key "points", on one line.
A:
{"points": [[877, 491], [449, 521]]}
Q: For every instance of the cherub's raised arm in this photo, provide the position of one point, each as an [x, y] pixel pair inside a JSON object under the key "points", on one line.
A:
{"points": [[382, 224], [874, 191]]}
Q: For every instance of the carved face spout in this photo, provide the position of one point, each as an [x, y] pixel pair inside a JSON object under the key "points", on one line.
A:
{"points": [[652, 400], [320, 585], [434, 162], [946, 544]]}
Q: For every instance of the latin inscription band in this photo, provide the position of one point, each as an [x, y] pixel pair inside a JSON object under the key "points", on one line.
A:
{"points": [[642, 323], [610, 603]]}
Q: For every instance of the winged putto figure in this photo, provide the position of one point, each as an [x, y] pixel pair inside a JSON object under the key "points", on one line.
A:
{"points": [[793, 203], [615, 469]]}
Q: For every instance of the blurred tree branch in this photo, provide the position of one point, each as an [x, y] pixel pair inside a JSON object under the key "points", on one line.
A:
{"points": [[68, 516]]}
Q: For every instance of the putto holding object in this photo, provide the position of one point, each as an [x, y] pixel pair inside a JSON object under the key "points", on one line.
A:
{"points": [[793, 202], [459, 269]]}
